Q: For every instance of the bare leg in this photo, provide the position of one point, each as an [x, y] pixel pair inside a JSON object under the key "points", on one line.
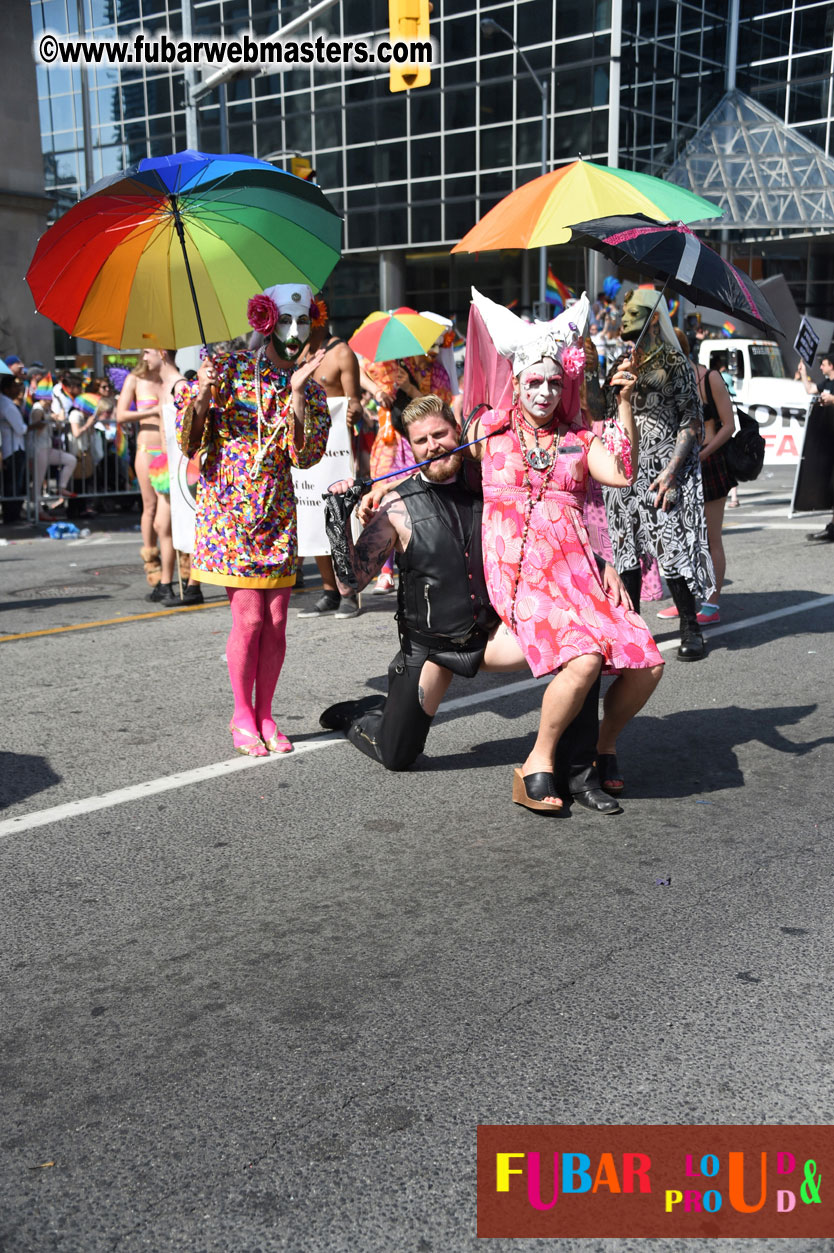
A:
{"points": [[328, 575], [162, 526], [434, 684], [714, 510], [503, 653], [149, 498], [562, 701], [625, 697]]}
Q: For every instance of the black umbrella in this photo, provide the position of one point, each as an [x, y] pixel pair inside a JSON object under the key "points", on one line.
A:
{"points": [[689, 267]]}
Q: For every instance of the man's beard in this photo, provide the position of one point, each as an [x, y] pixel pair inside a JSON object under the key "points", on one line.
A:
{"points": [[287, 349], [441, 469]]}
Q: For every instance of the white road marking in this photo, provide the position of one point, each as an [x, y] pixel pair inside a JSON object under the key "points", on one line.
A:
{"points": [[72, 809], [799, 527], [171, 782]]}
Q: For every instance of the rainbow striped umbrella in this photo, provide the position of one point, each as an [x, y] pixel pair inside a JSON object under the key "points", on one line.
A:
{"points": [[392, 335], [170, 250], [541, 212]]}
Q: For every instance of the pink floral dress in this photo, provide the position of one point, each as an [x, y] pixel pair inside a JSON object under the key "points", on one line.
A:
{"points": [[561, 609]]}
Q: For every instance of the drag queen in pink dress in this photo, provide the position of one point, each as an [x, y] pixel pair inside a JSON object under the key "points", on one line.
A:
{"points": [[541, 573]]}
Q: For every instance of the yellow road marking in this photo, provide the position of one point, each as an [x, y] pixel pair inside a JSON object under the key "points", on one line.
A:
{"points": [[89, 626]]}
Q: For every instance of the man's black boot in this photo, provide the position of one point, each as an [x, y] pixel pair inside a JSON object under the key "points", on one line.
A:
{"points": [[692, 641], [584, 789]]}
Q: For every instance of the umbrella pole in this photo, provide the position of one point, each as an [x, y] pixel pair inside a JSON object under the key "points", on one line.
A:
{"points": [[181, 233], [649, 318]]}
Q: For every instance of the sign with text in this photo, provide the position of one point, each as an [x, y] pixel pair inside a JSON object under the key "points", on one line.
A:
{"points": [[806, 342], [696, 1182], [311, 485]]}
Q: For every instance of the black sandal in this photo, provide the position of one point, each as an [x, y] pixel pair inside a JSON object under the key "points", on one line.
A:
{"points": [[530, 790], [610, 776]]}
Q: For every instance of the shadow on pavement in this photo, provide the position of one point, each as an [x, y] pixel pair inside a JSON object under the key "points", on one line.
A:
{"points": [[48, 601], [23, 775], [679, 772]]}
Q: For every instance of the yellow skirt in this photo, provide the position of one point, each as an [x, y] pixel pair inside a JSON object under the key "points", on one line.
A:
{"points": [[237, 580]]}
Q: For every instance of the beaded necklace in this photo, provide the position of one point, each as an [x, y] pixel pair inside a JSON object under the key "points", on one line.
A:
{"points": [[537, 458], [532, 501], [263, 448]]}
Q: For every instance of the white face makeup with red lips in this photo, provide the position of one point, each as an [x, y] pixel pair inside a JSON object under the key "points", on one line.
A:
{"points": [[540, 389]]}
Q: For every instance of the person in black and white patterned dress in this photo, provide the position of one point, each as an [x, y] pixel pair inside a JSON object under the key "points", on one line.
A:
{"points": [[662, 513]]}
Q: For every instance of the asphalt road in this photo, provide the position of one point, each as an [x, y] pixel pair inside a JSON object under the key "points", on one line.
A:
{"points": [[265, 1006]]}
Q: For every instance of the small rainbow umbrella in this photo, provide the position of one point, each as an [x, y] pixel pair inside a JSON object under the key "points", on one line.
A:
{"points": [[392, 335], [541, 212], [170, 250]]}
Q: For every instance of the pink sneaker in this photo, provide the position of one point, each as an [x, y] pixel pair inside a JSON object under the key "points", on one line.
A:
{"points": [[669, 612], [705, 618], [385, 583]]}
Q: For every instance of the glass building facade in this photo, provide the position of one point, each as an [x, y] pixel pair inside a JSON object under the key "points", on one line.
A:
{"points": [[413, 171]]}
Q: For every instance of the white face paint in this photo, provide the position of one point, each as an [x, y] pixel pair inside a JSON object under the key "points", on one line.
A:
{"points": [[540, 389], [292, 330]]}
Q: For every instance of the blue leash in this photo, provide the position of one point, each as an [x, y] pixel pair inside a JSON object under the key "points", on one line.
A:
{"points": [[367, 484]]}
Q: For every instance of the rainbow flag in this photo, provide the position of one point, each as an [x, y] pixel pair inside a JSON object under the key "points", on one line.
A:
{"points": [[556, 292], [43, 388], [728, 329], [120, 441], [674, 305], [87, 402]]}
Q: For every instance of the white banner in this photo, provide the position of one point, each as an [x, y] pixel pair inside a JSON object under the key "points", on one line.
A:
{"points": [[311, 485], [183, 493]]}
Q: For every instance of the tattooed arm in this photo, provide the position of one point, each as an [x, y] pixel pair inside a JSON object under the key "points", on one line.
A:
{"points": [[681, 383], [389, 529]]}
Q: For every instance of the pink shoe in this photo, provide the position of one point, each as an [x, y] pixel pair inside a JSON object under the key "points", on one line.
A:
{"points": [[385, 583], [706, 618], [669, 612]]}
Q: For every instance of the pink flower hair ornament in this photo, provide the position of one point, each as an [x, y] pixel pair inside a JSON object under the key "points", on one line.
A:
{"points": [[262, 314], [573, 360]]}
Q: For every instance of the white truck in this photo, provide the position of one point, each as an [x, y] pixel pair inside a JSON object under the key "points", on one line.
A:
{"points": [[758, 382]]}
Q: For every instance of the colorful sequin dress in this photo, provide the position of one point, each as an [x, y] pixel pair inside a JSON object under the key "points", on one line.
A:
{"points": [[246, 523], [556, 604]]}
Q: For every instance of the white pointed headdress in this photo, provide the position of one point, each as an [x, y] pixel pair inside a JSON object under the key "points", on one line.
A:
{"points": [[527, 343]]}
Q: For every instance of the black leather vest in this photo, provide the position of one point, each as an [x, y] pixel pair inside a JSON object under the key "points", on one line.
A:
{"points": [[442, 588]]}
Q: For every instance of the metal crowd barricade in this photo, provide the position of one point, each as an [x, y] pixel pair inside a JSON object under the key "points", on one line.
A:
{"points": [[111, 480]]}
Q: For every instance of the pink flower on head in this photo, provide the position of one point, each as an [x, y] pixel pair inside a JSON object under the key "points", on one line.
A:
{"points": [[573, 360], [262, 313]]}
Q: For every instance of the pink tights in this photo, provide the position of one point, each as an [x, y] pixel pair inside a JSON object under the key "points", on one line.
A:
{"points": [[255, 653]]}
